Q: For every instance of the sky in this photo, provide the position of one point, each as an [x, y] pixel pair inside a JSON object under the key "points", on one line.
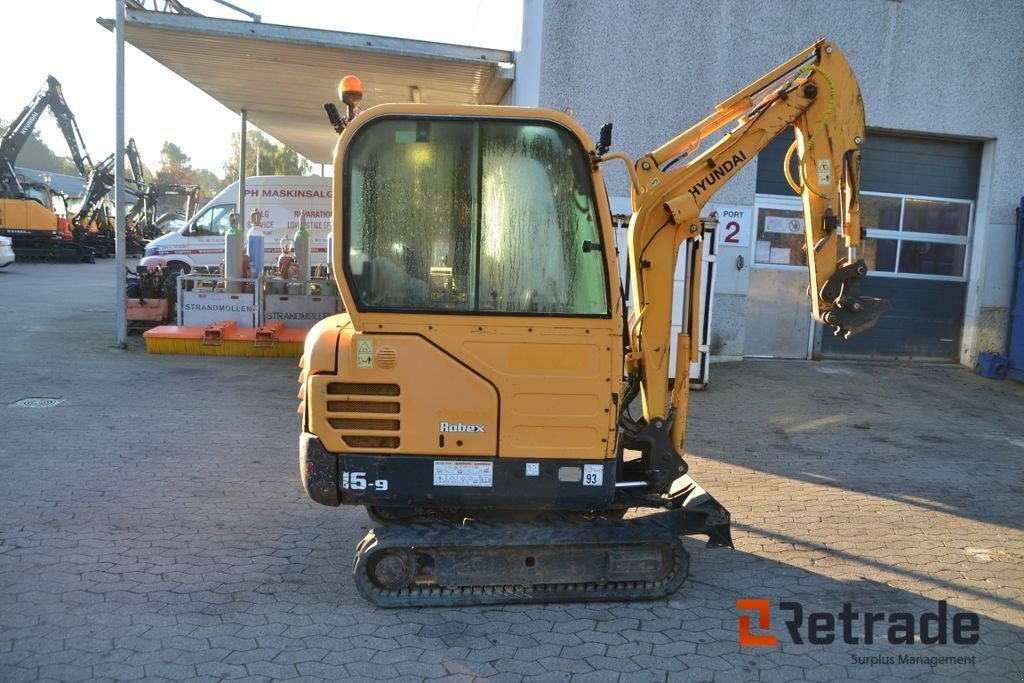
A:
{"points": [[61, 38]]}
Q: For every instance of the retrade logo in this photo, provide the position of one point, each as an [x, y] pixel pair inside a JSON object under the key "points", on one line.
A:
{"points": [[764, 619], [853, 627]]}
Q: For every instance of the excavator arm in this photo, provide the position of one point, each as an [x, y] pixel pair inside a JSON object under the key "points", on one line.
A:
{"points": [[51, 97], [101, 182], [131, 151], [817, 94], [68, 126]]}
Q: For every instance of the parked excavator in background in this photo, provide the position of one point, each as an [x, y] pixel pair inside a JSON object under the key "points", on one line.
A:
{"points": [[93, 224], [472, 396], [150, 216], [160, 208], [26, 210]]}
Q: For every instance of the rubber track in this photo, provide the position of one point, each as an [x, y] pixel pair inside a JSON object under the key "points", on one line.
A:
{"points": [[62, 251], [486, 534]]}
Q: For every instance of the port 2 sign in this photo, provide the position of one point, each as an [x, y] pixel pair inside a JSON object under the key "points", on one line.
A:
{"points": [[734, 225]]}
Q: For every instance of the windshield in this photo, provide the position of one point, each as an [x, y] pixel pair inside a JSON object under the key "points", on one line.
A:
{"points": [[472, 216]]}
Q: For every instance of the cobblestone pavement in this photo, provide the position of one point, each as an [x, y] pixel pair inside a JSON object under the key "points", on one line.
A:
{"points": [[152, 525]]}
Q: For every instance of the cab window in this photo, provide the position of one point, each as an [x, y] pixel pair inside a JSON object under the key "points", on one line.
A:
{"points": [[474, 216], [39, 194], [213, 221]]}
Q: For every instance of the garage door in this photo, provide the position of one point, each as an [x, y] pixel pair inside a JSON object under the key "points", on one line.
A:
{"points": [[917, 206]]}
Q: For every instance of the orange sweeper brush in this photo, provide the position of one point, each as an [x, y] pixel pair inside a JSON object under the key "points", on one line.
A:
{"points": [[226, 338]]}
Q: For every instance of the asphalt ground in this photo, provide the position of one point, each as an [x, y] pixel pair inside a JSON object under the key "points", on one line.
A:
{"points": [[152, 526]]}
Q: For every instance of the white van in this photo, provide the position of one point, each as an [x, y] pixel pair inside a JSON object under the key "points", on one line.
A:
{"points": [[279, 199]]}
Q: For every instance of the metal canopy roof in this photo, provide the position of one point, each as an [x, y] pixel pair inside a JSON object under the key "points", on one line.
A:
{"points": [[283, 75]]}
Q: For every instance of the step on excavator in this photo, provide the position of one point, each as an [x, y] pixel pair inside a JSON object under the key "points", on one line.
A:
{"points": [[477, 396]]}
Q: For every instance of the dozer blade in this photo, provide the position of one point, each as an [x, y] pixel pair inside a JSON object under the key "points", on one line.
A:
{"points": [[692, 510], [483, 563]]}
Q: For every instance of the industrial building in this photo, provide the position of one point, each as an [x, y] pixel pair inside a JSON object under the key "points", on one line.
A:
{"points": [[941, 172]]}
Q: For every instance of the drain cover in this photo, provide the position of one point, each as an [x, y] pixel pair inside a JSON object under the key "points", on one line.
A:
{"points": [[38, 402]]}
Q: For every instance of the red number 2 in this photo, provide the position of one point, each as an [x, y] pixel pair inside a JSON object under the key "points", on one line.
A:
{"points": [[732, 232]]}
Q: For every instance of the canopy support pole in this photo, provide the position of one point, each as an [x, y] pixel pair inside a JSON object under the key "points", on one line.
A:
{"points": [[119, 208]]}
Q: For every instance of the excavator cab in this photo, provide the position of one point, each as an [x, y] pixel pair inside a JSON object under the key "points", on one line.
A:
{"points": [[38, 192], [479, 300]]}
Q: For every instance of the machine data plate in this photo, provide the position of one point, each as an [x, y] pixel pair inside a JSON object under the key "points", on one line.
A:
{"points": [[593, 475], [460, 473]]}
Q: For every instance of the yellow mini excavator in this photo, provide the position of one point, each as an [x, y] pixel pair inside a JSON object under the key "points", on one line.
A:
{"points": [[476, 394]]}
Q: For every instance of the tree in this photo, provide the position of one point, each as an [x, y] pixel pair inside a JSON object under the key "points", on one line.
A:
{"points": [[273, 159], [210, 183], [176, 169], [172, 156]]}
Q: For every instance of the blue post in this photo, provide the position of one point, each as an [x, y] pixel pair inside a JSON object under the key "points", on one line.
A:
{"points": [[1015, 335]]}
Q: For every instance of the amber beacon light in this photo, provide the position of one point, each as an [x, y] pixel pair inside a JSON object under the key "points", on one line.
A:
{"points": [[351, 91]]}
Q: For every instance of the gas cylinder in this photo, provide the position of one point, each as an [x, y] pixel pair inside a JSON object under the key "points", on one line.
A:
{"points": [[254, 244], [285, 260], [302, 252], [330, 253], [234, 250]]}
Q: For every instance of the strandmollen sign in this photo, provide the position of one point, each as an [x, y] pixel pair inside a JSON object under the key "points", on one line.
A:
{"points": [[199, 309]]}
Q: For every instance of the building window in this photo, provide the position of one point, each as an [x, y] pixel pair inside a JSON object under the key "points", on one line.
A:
{"points": [[917, 237], [780, 232]]}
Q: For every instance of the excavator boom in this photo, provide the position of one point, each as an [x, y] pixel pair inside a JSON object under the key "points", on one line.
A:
{"points": [[817, 94], [51, 97]]}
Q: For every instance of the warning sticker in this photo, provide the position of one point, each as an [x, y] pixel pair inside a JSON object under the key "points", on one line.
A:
{"points": [[824, 172], [458, 473], [364, 353]]}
